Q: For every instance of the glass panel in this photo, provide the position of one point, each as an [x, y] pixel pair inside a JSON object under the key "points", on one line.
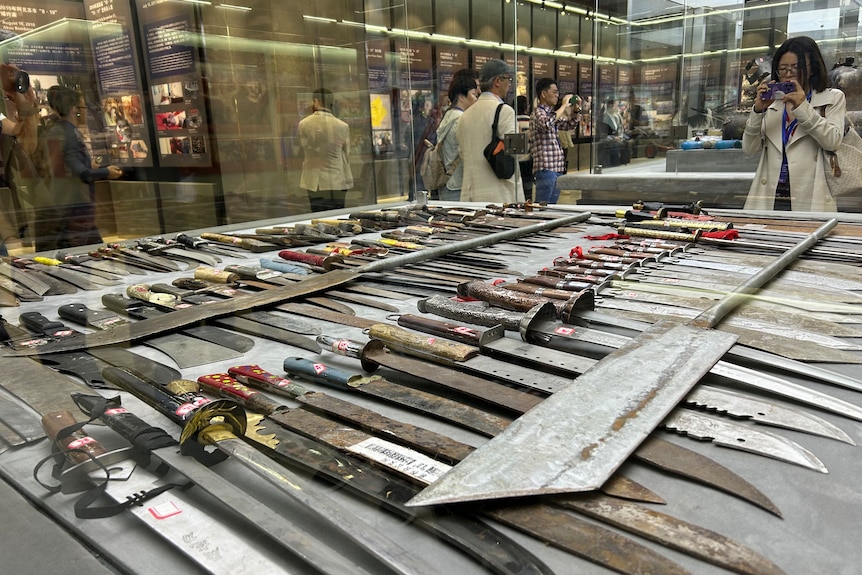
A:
{"points": [[212, 94]]}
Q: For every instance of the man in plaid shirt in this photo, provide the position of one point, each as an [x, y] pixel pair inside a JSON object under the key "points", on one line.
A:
{"points": [[549, 159]]}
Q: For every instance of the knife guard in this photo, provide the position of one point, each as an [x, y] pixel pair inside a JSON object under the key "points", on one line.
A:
{"points": [[223, 385], [399, 339]]}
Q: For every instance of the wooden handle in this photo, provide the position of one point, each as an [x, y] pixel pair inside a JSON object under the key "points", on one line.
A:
{"points": [[224, 385], [399, 338], [81, 447]]}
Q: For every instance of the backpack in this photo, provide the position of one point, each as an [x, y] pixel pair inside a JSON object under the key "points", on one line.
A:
{"points": [[432, 170]]}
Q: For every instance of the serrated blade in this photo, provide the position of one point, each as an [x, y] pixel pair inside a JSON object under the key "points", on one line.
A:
{"points": [[728, 434], [760, 411]]}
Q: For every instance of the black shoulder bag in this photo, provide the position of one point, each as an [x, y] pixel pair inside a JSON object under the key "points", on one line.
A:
{"points": [[495, 152]]}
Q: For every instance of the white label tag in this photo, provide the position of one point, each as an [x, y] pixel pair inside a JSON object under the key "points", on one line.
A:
{"points": [[401, 458]]}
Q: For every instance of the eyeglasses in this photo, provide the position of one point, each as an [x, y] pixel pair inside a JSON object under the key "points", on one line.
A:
{"points": [[788, 69]]}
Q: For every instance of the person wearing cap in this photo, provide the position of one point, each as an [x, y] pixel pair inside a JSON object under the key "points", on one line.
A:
{"points": [[480, 184]]}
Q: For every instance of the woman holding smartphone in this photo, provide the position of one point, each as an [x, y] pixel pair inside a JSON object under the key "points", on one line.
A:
{"points": [[790, 128]]}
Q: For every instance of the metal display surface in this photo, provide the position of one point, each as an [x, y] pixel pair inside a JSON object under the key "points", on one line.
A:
{"points": [[820, 511]]}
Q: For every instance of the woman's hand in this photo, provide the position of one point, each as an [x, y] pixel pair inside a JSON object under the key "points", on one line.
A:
{"points": [[759, 103], [795, 98], [114, 172]]}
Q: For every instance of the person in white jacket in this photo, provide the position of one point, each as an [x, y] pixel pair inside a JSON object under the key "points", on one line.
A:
{"points": [[791, 130], [480, 184]]}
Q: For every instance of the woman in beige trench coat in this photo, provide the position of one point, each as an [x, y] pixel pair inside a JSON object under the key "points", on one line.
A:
{"points": [[799, 125]]}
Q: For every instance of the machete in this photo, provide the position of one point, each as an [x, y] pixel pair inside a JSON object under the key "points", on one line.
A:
{"points": [[578, 454], [474, 538]]}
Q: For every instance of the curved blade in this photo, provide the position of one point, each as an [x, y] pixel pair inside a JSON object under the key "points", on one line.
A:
{"points": [[728, 434], [760, 411]]}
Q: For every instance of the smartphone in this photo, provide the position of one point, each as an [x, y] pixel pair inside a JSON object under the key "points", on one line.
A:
{"points": [[777, 90]]}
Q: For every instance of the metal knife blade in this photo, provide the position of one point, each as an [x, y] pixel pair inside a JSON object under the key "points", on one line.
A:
{"points": [[187, 351], [728, 434], [758, 410], [290, 323], [269, 332], [220, 336], [29, 281]]}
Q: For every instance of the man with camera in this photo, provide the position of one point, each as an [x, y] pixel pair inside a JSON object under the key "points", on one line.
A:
{"points": [[549, 158]]}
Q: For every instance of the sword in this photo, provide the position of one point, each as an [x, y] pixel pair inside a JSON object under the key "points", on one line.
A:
{"points": [[169, 514], [225, 437]]}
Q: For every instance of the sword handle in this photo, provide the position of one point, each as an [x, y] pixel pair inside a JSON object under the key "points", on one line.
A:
{"points": [[216, 276], [223, 385], [80, 446], [131, 427], [320, 373], [400, 338], [257, 377], [537, 290], [660, 234], [556, 283], [346, 347], [325, 262], [190, 242], [177, 408]]}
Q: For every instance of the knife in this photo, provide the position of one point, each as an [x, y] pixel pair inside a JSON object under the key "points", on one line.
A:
{"points": [[97, 319]]}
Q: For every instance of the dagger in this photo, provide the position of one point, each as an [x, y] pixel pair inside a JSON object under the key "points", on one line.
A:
{"points": [[184, 517], [93, 274], [502, 555]]}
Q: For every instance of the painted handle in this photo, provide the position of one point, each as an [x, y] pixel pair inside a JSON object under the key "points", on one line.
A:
{"points": [[223, 385], [325, 262], [83, 445], [257, 377], [345, 347], [317, 372], [143, 293]]}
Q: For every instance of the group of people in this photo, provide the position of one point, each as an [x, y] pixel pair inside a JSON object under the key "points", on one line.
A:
{"points": [[49, 165], [466, 129]]}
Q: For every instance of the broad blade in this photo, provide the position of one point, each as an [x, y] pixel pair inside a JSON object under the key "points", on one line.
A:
{"points": [[611, 421], [222, 337], [190, 352]]}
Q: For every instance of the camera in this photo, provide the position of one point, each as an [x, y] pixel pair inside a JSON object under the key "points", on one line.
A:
{"points": [[777, 90], [22, 82]]}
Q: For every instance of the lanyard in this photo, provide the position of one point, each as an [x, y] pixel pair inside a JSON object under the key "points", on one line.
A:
{"points": [[787, 130]]}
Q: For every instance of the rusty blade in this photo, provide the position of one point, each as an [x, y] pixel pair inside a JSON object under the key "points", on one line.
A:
{"points": [[662, 528], [681, 461]]}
